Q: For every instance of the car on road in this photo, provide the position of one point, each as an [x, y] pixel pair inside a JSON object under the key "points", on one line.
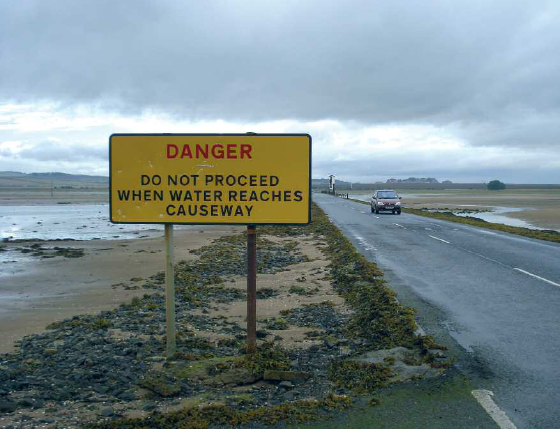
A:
{"points": [[385, 200]]}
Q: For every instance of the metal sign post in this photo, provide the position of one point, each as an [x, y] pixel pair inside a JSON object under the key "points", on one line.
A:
{"points": [[169, 290], [251, 289]]}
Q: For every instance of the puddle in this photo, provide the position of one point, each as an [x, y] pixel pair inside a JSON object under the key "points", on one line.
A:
{"points": [[463, 338], [497, 215]]}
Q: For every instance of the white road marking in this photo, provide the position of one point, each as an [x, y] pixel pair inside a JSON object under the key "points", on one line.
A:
{"points": [[486, 257], [376, 217], [484, 398], [400, 226], [440, 239], [363, 212], [363, 242], [537, 277], [428, 229]]}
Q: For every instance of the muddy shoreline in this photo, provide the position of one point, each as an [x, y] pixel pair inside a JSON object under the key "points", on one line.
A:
{"points": [[35, 292], [319, 346]]}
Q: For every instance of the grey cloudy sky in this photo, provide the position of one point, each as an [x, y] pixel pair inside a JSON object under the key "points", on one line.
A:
{"points": [[463, 90]]}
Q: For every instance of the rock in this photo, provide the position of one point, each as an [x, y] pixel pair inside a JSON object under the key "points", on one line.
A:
{"points": [[288, 396], [405, 364], [128, 396], [26, 402], [233, 377], [155, 358], [274, 375], [7, 406], [261, 334], [50, 351], [286, 384], [107, 412], [148, 406]]}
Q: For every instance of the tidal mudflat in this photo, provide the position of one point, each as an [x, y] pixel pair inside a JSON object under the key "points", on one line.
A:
{"points": [[530, 208]]}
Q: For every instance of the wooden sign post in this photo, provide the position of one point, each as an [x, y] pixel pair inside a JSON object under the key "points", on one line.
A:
{"points": [[251, 289], [169, 291]]}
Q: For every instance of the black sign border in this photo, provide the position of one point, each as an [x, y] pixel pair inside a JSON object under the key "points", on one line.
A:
{"points": [[205, 135]]}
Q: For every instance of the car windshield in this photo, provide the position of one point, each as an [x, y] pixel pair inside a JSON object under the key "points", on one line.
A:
{"points": [[391, 195]]}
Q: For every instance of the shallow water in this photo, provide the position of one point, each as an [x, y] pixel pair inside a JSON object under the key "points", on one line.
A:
{"points": [[78, 222], [497, 216]]}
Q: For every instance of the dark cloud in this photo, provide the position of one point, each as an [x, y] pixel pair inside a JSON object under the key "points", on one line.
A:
{"points": [[475, 64]]}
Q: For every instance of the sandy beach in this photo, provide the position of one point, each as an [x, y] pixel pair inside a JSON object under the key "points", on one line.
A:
{"points": [[37, 292]]}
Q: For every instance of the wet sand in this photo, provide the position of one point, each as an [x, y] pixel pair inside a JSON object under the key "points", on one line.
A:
{"points": [[42, 196], [35, 292]]}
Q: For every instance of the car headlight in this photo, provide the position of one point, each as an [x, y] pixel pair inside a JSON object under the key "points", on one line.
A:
{"points": [[398, 203], [381, 203]]}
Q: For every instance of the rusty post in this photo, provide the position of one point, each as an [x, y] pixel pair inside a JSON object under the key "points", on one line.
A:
{"points": [[169, 291], [251, 289]]}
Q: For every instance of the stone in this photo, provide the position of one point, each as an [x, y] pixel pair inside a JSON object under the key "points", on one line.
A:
{"points": [[405, 364], [234, 377], [286, 384], [148, 406], [274, 375], [288, 396], [128, 396], [26, 402], [107, 412], [7, 406], [50, 351]]}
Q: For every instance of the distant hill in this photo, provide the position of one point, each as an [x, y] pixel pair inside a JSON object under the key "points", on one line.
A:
{"points": [[416, 180], [16, 179]]}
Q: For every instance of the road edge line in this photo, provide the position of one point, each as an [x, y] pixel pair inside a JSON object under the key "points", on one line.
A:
{"points": [[537, 277], [439, 239], [484, 398]]}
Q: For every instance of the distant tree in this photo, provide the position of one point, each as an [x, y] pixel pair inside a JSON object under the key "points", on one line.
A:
{"points": [[495, 185]]}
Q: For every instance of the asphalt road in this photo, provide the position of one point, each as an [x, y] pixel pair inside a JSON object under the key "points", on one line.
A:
{"points": [[493, 297]]}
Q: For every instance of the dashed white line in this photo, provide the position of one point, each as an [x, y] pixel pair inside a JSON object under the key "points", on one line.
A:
{"points": [[537, 277], [484, 398], [363, 242], [440, 239]]}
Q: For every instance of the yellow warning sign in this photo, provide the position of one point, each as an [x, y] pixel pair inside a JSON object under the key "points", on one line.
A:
{"points": [[210, 178]]}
